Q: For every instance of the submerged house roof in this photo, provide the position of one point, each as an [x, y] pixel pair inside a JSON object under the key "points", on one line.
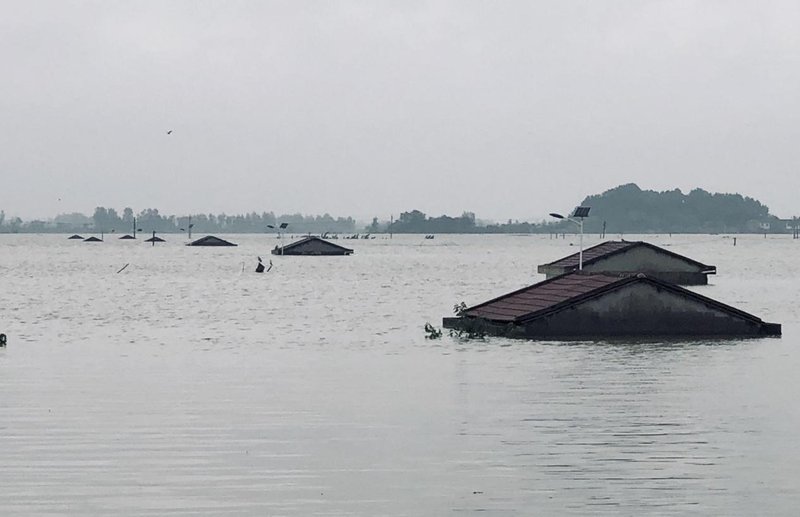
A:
{"points": [[127, 237], [92, 239], [312, 246], [75, 236], [210, 240], [634, 257], [603, 305], [155, 239]]}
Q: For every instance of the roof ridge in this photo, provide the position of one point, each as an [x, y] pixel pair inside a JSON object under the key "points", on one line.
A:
{"points": [[567, 261]]}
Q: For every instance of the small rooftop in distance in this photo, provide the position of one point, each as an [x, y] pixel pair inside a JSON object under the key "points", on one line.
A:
{"points": [[312, 246], [210, 240]]}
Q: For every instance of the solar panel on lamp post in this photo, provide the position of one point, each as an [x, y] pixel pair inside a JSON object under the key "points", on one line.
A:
{"points": [[280, 228], [580, 212]]}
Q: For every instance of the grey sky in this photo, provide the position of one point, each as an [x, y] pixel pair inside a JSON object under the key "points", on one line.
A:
{"points": [[508, 109]]}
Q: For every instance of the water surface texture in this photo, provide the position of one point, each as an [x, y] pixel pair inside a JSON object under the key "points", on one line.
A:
{"points": [[189, 385]]}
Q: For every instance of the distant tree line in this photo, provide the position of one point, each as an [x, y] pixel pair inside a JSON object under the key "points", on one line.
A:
{"points": [[108, 220], [624, 209], [417, 222]]}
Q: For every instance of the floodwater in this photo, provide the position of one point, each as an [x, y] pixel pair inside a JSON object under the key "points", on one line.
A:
{"points": [[189, 385]]}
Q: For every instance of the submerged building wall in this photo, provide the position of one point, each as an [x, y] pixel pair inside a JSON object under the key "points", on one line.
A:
{"points": [[641, 309]]}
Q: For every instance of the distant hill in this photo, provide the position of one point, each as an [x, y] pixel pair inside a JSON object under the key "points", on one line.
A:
{"points": [[629, 209], [624, 209]]}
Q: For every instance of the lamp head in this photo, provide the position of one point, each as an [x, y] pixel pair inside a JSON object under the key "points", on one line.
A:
{"points": [[557, 216]]}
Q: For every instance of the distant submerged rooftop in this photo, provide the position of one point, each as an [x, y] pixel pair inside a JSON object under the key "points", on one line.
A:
{"points": [[312, 246], [211, 240]]}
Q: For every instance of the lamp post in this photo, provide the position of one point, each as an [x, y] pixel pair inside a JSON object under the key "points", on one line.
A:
{"points": [[190, 226], [280, 229], [577, 217]]}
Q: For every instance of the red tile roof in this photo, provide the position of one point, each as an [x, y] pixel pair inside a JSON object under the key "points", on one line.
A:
{"points": [[541, 296]]}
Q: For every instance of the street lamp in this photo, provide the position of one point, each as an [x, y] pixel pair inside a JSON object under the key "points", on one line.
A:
{"points": [[280, 227], [191, 225], [577, 217]]}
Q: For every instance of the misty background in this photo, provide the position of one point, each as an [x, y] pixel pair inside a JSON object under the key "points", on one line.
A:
{"points": [[363, 109]]}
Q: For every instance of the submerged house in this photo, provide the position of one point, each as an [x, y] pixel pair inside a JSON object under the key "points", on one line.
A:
{"points": [[210, 240], [92, 239], [597, 305], [75, 236], [625, 257], [314, 246]]}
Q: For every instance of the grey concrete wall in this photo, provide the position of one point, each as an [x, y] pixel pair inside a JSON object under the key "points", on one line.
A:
{"points": [[550, 271], [641, 309]]}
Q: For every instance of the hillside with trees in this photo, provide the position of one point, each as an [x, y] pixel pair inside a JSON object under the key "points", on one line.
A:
{"points": [[629, 209], [624, 209]]}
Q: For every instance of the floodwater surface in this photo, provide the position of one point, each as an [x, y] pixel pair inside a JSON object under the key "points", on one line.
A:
{"points": [[189, 385]]}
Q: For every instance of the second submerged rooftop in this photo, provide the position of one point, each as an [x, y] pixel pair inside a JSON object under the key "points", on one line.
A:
{"points": [[626, 257]]}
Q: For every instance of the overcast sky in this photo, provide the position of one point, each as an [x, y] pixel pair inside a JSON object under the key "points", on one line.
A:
{"points": [[508, 109]]}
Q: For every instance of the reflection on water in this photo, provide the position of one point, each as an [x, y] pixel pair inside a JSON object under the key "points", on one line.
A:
{"points": [[185, 385]]}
